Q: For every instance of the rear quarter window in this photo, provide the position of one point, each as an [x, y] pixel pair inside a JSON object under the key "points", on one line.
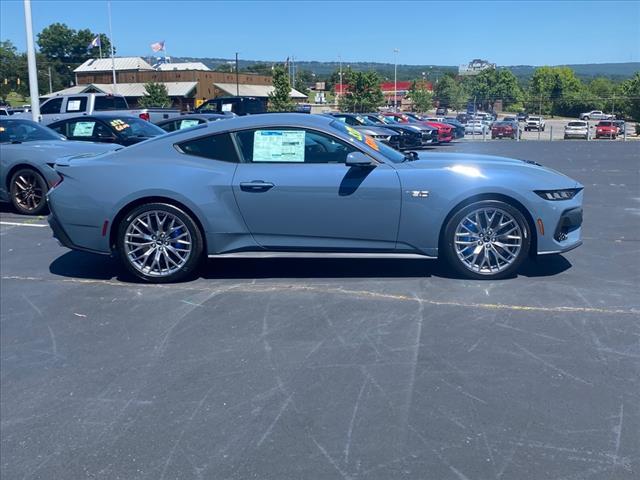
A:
{"points": [[216, 147]]}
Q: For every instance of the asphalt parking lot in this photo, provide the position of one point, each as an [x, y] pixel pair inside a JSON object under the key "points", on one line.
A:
{"points": [[332, 369]]}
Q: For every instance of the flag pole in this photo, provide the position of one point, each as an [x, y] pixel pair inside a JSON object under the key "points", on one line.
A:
{"points": [[113, 62], [100, 44]]}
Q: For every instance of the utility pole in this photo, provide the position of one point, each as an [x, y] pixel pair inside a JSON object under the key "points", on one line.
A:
{"points": [[113, 62], [395, 80], [340, 74], [237, 78], [31, 62]]}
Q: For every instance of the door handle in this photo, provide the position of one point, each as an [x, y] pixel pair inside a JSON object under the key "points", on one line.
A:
{"points": [[256, 186]]}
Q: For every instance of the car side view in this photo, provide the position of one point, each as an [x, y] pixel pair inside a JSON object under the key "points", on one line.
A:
{"points": [[292, 183]]}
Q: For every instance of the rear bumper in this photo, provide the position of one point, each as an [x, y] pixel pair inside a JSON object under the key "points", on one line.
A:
{"points": [[63, 238]]}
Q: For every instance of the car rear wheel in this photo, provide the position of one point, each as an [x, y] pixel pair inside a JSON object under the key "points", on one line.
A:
{"points": [[486, 240], [159, 243], [28, 190]]}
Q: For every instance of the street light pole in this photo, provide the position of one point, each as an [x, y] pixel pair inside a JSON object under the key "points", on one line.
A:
{"points": [[237, 78], [395, 81], [31, 62], [340, 74]]}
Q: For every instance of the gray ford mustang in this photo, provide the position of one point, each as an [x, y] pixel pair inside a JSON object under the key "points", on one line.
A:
{"points": [[27, 154], [305, 184]]}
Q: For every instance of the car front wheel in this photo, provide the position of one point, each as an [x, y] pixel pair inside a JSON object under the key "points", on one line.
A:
{"points": [[486, 240], [28, 190], [159, 243]]}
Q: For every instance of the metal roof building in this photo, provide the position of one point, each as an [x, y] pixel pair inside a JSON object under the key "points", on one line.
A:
{"points": [[166, 67], [175, 89], [254, 90], [121, 63]]}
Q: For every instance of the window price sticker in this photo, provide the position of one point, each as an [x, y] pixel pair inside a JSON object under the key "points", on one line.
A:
{"points": [[118, 125], [278, 146]]}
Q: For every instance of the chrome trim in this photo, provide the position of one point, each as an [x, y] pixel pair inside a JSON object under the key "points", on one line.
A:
{"points": [[320, 255]]}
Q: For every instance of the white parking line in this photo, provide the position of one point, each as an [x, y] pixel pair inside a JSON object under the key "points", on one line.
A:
{"points": [[19, 224]]}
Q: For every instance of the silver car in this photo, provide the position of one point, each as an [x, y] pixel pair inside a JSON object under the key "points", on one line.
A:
{"points": [[27, 153]]}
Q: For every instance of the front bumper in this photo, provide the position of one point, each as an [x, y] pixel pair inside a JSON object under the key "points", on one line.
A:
{"points": [[562, 226]]}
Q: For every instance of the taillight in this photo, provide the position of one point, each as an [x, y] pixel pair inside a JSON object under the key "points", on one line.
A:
{"points": [[144, 116]]}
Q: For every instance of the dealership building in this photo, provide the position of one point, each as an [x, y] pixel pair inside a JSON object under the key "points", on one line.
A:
{"points": [[188, 84]]}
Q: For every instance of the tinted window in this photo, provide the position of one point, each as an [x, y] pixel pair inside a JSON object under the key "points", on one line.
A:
{"points": [[52, 106], [81, 128], [24, 131], [134, 127], [291, 145], [217, 147], [169, 126], [110, 103], [76, 104]]}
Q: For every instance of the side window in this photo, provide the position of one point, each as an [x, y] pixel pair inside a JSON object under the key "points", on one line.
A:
{"points": [[61, 128], [109, 103], [351, 121], [168, 127], [217, 147], [81, 128], [52, 106], [290, 145], [76, 104], [102, 131], [188, 123]]}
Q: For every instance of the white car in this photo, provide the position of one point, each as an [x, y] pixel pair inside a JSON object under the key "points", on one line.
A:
{"points": [[535, 122], [471, 128], [595, 115], [576, 129]]}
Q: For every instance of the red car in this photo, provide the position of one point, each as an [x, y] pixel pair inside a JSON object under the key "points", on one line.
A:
{"points": [[503, 130], [606, 129], [445, 132]]}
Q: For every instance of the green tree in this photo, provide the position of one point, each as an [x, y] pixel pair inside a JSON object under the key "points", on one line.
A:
{"points": [[630, 103], [493, 84], [65, 49], [449, 93], [557, 91], [280, 97], [259, 69], [363, 93], [421, 97], [155, 95]]}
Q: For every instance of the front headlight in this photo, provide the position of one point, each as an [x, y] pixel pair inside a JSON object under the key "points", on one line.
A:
{"points": [[555, 195]]}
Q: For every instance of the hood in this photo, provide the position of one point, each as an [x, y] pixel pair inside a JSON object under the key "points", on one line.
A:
{"points": [[485, 165], [372, 130], [60, 148]]}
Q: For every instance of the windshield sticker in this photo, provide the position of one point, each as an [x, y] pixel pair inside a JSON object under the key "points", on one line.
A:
{"points": [[118, 125], [73, 106], [278, 145], [83, 129], [372, 143], [188, 123], [227, 107], [354, 133]]}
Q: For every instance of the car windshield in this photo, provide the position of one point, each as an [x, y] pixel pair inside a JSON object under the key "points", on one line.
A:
{"points": [[25, 131], [134, 127], [604, 124], [577, 124], [389, 153]]}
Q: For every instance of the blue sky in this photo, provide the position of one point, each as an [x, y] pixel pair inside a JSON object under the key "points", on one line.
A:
{"points": [[442, 33]]}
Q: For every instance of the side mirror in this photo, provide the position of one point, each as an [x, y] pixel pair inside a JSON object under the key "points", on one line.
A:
{"points": [[358, 159], [412, 155]]}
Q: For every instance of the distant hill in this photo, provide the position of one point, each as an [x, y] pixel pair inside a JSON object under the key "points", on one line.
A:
{"points": [[615, 71]]}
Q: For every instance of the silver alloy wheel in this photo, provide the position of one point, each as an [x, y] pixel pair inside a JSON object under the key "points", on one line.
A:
{"points": [[488, 240], [157, 243], [28, 193]]}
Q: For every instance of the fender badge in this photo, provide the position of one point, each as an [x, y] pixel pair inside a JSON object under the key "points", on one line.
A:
{"points": [[418, 193]]}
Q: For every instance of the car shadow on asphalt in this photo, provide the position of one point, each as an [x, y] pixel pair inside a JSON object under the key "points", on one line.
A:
{"points": [[84, 265]]}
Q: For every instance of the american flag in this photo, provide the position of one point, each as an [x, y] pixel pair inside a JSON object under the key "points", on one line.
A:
{"points": [[156, 47]]}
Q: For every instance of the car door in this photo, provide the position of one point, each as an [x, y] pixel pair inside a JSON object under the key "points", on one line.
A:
{"points": [[295, 192]]}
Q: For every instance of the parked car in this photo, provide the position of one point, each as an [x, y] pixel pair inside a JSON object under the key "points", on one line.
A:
{"points": [[474, 127], [379, 132], [607, 129], [191, 120], [595, 115], [238, 105], [445, 132], [522, 116], [120, 129], [504, 129], [442, 111], [576, 129], [27, 152], [4, 112], [510, 119], [427, 135], [62, 107], [535, 122], [457, 127], [621, 126], [308, 183]]}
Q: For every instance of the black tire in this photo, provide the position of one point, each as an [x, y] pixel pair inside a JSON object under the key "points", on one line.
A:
{"points": [[448, 251], [28, 191], [193, 261]]}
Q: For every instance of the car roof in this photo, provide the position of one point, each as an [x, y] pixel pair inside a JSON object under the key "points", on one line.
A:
{"points": [[100, 116]]}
